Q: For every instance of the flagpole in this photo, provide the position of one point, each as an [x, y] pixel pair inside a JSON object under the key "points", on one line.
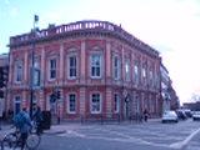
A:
{"points": [[32, 64]]}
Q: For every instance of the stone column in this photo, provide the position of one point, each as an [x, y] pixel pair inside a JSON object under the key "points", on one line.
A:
{"points": [[41, 102], [26, 68], [109, 99], [25, 101], [60, 105], [82, 63], [108, 62], [132, 68], [82, 101], [123, 65], [43, 68], [62, 66]]}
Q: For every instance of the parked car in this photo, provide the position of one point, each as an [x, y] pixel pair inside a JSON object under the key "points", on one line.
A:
{"points": [[196, 115], [181, 114], [169, 116], [188, 113]]}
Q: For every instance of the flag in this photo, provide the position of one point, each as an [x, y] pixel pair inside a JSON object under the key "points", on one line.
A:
{"points": [[36, 18]]}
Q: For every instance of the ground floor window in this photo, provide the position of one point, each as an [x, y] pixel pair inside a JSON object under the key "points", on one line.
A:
{"points": [[17, 104], [95, 106], [116, 103], [72, 103]]}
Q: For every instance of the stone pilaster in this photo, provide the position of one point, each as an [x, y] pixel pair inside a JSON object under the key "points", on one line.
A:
{"points": [[82, 63], [61, 68], [26, 67], [43, 68], [25, 101], [123, 65], [109, 102], [82, 101], [108, 60], [60, 104], [41, 101]]}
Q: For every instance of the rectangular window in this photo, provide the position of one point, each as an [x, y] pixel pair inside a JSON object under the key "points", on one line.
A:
{"points": [[150, 77], [19, 72], [143, 72], [127, 70], [72, 103], [72, 66], [136, 73], [95, 104], [116, 103], [116, 66], [96, 65], [36, 76], [52, 68]]}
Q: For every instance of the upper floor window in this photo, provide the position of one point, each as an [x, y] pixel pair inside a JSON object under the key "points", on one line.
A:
{"points": [[143, 72], [96, 65], [18, 71], [52, 68], [72, 66], [127, 70], [36, 76], [136, 73], [72, 103], [116, 67], [116, 103], [151, 77], [95, 106]]}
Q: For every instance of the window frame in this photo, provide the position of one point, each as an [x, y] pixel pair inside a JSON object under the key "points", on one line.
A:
{"points": [[50, 69], [18, 73], [100, 66], [74, 55], [117, 102], [116, 68], [127, 70], [100, 103], [68, 103]]}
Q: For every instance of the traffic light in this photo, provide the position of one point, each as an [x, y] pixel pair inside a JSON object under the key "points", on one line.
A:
{"points": [[1, 94], [52, 98], [58, 94], [3, 76]]}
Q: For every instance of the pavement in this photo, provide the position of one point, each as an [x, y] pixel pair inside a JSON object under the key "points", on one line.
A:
{"points": [[67, 125]]}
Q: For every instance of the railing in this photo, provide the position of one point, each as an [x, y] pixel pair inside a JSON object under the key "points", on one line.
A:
{"points": [[83, 25]]}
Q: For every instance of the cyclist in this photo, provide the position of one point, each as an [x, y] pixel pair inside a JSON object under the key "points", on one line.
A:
{"points": [[22, 122]]}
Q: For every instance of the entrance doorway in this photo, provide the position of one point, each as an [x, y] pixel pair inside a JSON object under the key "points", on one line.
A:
{"points": [[127, 107]]}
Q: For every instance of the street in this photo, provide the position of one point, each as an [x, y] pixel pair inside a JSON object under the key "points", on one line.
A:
{"points": [[145, 136]]}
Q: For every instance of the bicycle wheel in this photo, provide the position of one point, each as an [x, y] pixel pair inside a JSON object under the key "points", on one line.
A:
{"points": [[33, 141]]}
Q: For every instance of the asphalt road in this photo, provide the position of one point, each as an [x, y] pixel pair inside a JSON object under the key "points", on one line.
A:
{"points": [[184, 135]]}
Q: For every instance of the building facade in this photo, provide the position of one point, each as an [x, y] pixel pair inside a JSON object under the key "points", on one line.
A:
{"points": [[165, 84], [99, 69], [169, 97], [4, 70]]}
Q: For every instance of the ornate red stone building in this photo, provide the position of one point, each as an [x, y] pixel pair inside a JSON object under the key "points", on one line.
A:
{"points": [[100, 70]]}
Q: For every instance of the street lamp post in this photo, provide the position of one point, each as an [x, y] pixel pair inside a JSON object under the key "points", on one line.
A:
{"points": [[33, 32]]}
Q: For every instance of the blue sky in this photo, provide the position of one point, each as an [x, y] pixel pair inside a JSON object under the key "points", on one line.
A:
{"points": [[170, 26]]}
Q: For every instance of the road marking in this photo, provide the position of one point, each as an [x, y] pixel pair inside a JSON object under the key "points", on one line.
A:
{"points": [[183, 144]]}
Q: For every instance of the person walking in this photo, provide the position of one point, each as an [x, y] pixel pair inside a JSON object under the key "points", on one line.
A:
{"points": [[22, 122], [146, 115], [38, 118]]}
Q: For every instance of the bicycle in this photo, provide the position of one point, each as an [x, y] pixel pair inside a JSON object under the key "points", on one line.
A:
{"points": [[12, 140]]}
